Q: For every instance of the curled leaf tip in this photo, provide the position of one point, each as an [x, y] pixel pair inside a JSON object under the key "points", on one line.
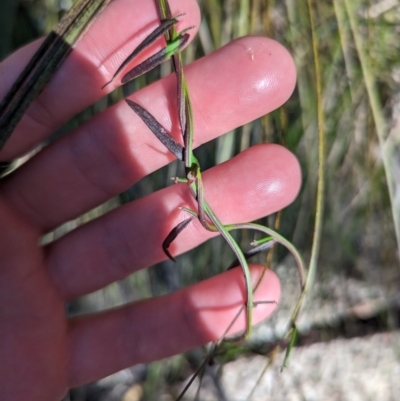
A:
{"points": [[167, 252], [173, 234]]}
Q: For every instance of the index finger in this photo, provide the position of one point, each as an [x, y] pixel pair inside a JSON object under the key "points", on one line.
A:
{"points": [[77, 84]]}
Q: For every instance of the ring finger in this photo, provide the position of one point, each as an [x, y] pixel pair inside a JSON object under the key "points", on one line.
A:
{"points": [[257, 182]]}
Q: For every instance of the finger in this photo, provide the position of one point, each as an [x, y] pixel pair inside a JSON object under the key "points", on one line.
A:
{"points": [[115, 149], [77, 85], [258, 182], [160, 327]]}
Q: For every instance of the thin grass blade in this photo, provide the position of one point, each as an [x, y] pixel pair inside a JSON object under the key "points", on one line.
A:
{"points": [[45, 62]]}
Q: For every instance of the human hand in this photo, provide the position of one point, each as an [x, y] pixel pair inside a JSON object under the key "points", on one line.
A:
{"points": [[42, 353]]}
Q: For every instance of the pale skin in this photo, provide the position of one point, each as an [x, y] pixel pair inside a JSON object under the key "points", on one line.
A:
{"points": [[42, 353]]}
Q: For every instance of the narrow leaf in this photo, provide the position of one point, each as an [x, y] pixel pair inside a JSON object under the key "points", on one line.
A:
{"points": [[157, 129], [157, 33], [156, 59]]}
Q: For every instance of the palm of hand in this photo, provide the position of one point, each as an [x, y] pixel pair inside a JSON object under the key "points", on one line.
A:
{"points": [[33, 333], [42, 352]]}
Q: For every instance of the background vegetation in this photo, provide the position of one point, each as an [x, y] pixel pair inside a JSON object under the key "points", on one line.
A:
{"points": [[359, 58]]}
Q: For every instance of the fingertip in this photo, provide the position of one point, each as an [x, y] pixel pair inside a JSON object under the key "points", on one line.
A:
{"points": [[272, 69], [282, 174], [263, 179], [240, 82], [214, 303]]}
